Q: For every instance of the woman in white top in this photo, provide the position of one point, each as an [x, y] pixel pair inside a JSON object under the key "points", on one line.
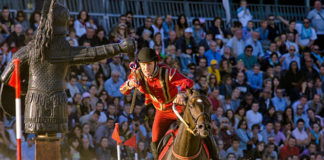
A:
{"points": [[80, 23], [157, 26]]}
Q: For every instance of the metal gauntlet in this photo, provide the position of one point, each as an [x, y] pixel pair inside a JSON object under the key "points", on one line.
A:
{"points": [[128, 46]]}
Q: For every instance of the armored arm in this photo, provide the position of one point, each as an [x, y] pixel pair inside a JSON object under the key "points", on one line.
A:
{"points": [[83, 55], [23, 56]]}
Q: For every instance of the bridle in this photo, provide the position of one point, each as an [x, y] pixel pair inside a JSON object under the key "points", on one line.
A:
{"points": [[192, 131], [188, 128]]}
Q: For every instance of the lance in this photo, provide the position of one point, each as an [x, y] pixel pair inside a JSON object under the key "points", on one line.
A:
{"points": [[133, 67]]}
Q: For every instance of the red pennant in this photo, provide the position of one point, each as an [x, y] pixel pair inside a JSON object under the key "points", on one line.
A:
{"points": [[131, 142], [15, 78], [115, 134]]}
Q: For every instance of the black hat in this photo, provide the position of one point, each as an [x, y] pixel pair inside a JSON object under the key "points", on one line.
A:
{"points": [[189, 46], [147, 55]]}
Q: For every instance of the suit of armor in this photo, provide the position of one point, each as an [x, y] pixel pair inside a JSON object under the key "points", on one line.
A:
{"points": [[45, 103]]}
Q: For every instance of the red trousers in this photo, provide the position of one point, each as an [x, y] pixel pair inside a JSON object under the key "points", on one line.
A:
{"points": [[162, 122]]}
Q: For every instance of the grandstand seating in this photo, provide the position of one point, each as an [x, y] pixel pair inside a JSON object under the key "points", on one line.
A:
{"points": [[106, 12]]}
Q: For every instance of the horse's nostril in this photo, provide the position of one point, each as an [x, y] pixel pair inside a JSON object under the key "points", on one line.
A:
{"points": [[200, 126]]}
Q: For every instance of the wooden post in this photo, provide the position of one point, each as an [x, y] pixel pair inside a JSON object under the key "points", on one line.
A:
{"points": [[48, 147]]}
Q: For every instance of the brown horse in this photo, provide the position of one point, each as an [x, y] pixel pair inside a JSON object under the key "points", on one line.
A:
{"points": [[194, 126]]}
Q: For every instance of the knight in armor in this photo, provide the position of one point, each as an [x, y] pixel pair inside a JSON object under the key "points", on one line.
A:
{"points": [[45, 61], [162, 87]]}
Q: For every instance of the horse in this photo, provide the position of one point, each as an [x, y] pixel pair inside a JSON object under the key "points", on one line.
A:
{"points": [[195, 126]]}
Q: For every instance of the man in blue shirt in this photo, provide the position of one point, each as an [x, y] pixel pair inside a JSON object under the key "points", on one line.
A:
{"points": [[28, 148], [256, 44], [317, 18], [212, 53], [267, 132], [255, 78], [279, 101], [168, 26], [287, 58], [113, 84]]}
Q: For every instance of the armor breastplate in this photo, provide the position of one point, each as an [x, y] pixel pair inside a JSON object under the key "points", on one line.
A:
{"points": [[46, 99]]}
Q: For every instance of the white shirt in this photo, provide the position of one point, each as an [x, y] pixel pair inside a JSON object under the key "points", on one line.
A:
{"points": [[253, 118], [156, 30], [317, 20], [288, 59], [299, 135], [80, 29], [244, 15], [240, 46], [102, 117], [305, 42]]}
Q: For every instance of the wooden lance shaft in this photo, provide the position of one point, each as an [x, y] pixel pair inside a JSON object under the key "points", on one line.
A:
{"points": [[48, 147], [133, 101]]}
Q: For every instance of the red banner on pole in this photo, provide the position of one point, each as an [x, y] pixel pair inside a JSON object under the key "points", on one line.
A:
{"points": [[131, 142], [15, 78], [115, 134]]}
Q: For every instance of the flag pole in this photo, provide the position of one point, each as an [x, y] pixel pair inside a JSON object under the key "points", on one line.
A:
{"points": [[118, 151], [116, 137], [18, 109], [136, 155]]}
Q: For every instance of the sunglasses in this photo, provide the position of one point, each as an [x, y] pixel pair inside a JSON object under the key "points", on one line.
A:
{"points": [[271, 19], [292, 49]]}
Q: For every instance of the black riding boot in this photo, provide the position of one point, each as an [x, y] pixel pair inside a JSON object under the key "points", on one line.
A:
{"points": [[154, 150], [212, 147]]}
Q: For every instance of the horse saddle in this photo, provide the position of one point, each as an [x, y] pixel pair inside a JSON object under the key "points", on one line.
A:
{"points": [[168, 135]]}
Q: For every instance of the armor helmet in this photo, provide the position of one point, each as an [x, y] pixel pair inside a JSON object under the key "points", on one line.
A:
{"points": [[61, 18], [147, 55]]}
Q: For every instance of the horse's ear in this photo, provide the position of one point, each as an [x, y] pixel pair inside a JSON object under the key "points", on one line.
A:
{"points": [[189, 92]]}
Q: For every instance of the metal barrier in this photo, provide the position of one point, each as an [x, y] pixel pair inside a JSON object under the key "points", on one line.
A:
{"points": [[106, 12]]}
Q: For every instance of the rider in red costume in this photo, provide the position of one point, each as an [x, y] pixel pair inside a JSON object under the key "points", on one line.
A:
{"points": [[162, 87]]}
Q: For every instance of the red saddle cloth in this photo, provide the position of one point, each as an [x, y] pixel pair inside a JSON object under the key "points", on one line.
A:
{"points": [[170, 142]]}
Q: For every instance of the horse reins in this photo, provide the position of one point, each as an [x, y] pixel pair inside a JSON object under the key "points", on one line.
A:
{"points": [[194, 119]]}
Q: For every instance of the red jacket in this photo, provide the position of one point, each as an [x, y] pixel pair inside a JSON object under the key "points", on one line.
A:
{"points": [[286, 151], [162, 88]]}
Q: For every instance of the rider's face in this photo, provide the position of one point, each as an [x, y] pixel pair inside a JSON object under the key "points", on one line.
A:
{"points": [[147, 68]]}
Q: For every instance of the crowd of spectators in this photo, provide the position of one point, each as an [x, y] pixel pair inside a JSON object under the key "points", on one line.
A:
{"points": [[265, 83]]}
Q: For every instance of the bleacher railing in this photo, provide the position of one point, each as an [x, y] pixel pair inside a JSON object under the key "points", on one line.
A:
{"points": [[106, 12]]}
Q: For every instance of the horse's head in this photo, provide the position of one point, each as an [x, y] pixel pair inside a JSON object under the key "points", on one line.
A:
{"points": [[198, 110]]}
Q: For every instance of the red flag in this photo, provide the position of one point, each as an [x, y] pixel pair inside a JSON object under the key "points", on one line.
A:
{"points": [[115, 134], [15, 78], [131, 142]]}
